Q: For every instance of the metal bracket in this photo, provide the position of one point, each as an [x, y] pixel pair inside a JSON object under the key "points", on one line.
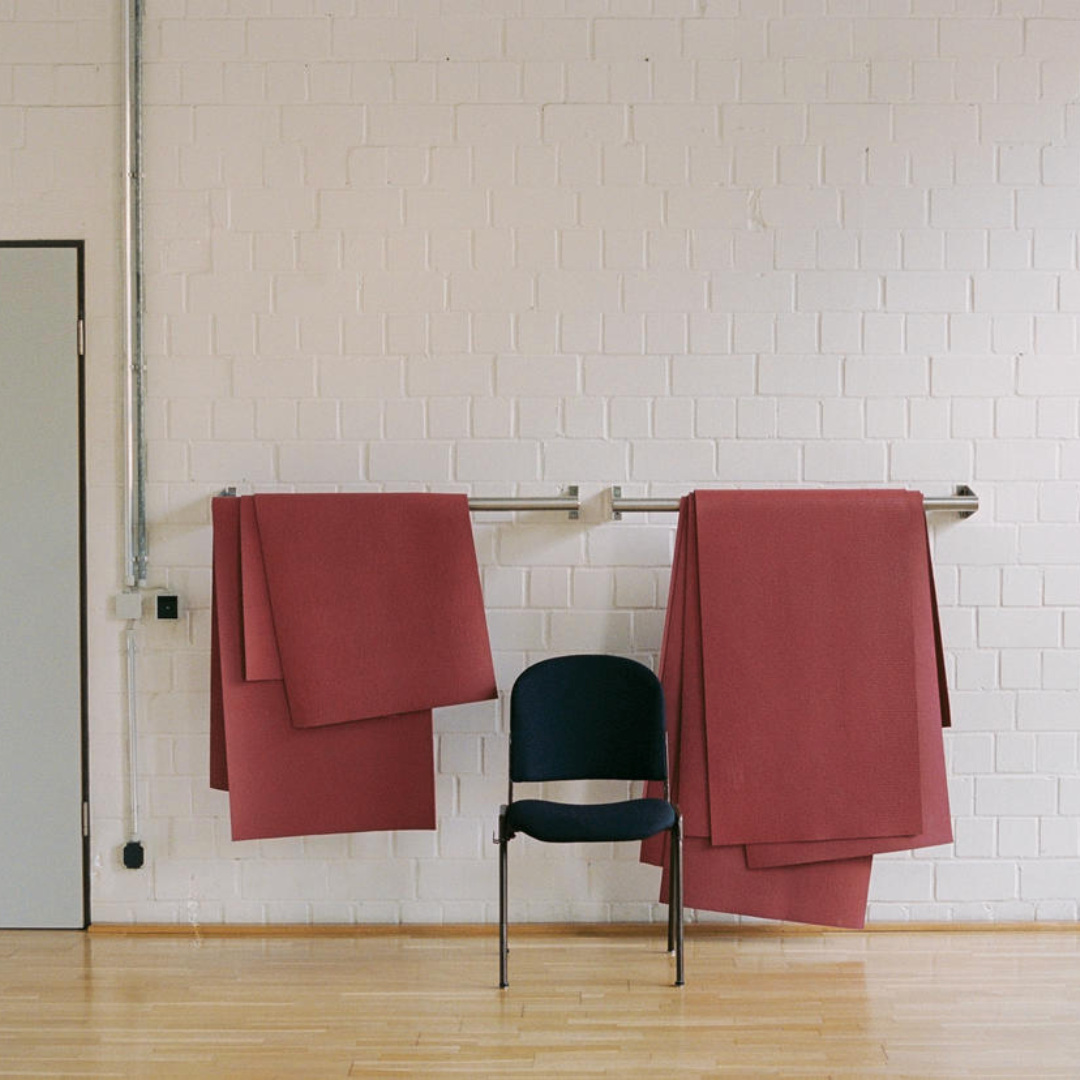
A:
{"points": [[965, 492]]}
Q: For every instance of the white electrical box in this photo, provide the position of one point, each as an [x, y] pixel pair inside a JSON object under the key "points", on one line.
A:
{"points": [[128, 605]]}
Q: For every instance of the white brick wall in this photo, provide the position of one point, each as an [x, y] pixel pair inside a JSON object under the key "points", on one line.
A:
{"points": [[663, 244]]}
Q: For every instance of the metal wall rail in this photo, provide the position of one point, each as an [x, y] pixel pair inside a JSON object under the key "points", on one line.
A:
{"points": [[568, 501], [962, 501]]}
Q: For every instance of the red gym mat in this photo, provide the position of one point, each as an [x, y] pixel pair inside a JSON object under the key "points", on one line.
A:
{"points": [[294, 636], [375, 603], [804, 683], [283, 781]]}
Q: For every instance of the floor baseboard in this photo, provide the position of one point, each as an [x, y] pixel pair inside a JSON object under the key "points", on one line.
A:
{"points": [[576, 929]]}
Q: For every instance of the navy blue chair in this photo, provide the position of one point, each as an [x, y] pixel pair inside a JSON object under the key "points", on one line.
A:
{"points": [[590, 718]]}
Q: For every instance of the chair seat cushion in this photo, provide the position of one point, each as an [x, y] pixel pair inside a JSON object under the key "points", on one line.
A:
{"points": [[569, 823]]}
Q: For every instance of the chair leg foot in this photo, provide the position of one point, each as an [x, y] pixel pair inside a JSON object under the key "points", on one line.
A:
{"points": [[503, 904]]}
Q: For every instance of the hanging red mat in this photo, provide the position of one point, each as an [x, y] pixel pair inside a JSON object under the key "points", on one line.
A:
{"points": [[804, 684], [339, 622]]}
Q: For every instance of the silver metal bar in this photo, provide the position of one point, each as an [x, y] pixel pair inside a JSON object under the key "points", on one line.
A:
{"points": [[135, 543], [555, 502], [963, 501], [569, 502]]}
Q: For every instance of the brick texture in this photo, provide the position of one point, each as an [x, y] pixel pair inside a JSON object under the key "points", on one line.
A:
{"points": [[390, 247]]}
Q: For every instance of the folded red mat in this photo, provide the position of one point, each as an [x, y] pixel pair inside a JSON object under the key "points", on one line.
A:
{"points": [[805, 695], [284, 781], [374, 602], [339, 621]]}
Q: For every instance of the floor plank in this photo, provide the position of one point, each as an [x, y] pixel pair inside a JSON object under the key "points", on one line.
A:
{"points": [[990, 1004]]}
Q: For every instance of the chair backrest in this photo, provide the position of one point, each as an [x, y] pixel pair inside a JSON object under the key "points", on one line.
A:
{"points": [[587, 718]]}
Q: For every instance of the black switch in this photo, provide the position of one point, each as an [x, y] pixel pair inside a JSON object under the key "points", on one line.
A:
{"points": [[168, 606]]}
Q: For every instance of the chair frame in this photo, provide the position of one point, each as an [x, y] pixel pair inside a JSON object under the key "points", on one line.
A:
{"points": [[675, 931]]}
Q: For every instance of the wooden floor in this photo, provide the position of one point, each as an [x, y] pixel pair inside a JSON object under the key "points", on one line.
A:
{"points": [[910, 1004]]}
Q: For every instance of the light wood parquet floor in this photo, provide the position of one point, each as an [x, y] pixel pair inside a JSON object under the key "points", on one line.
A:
{"points": [[581, 1004]]}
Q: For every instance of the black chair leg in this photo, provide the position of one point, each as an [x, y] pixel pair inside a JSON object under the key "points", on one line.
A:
{"points": [[676, 897], [671, 918], [671, 894], [503, 842]]}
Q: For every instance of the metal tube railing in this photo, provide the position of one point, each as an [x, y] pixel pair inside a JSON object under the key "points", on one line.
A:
{"points": [[963, 501], [569, 502]]}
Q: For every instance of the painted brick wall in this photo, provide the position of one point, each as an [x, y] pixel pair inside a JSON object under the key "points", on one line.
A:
{"points": [[502, 247]]}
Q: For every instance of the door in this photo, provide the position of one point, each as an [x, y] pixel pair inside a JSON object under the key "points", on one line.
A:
{"points": [[42, 593]]}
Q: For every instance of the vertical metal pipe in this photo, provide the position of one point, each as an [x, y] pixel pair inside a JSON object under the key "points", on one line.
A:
{"points": [[133, 732], [135, 547]]}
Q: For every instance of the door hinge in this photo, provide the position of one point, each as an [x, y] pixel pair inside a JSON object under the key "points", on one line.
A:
{"points": [[82, 337], [85, 819]]}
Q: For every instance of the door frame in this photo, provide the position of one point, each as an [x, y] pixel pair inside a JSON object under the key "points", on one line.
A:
{"points": [[79, 247]]}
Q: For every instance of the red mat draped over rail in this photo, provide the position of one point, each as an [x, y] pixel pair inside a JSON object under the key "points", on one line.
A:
{"points": [[339, 622], [804, 682]]}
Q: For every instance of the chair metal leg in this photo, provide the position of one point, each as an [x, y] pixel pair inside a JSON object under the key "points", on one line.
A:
{"points": [[671, 917], [676, 898], [503, 843], [671, 896]]}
